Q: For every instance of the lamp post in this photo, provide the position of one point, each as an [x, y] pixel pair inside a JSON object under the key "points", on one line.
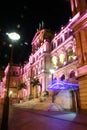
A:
{"points": [[52, 72], [4, 124], [14, 37]]}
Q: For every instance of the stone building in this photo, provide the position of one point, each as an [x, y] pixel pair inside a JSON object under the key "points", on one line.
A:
{"points": [[55, 54]]}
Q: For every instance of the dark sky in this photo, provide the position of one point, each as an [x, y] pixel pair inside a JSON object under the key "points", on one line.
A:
{"points": [[24, 16]]}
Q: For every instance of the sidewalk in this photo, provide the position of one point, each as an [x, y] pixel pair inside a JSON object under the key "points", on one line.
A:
{"points": [[47, 108], [67, 116]]}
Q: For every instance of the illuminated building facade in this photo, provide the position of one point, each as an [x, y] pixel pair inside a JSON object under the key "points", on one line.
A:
{"points": [[62, 52], [80, 32]]}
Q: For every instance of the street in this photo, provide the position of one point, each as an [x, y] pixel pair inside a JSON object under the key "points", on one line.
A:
{"points": [[25, 119]]}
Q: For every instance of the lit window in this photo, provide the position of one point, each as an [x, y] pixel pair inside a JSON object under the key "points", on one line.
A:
{"points": [[62, 58], [70, 54], [54, 60]]}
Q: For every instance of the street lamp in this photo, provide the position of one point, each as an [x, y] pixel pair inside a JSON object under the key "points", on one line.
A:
{"points": [[4, 124], [14, 37]]}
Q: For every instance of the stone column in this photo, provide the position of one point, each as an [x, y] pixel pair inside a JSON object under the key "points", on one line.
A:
{"points": [[79, 48], [44, 82], [82, 72], [36, 91], [31, 89], [83, 92], [84, 44]]}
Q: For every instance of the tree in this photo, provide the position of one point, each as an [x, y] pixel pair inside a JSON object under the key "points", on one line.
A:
{"points": [[35, 82], [21, 86], [21, 90]]}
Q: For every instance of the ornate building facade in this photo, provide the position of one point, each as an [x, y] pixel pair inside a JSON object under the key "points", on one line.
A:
{"points": [[55, 54]]}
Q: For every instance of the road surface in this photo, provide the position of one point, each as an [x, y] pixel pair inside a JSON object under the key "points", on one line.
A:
{"points": [[25, 119]]}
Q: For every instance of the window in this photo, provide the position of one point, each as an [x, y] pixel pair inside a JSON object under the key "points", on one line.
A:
{"points": [[66, 35], [61, 58], [70, 54], [54, 45]]}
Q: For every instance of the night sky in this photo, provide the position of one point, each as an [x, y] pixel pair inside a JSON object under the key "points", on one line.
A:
{"points": [[24, 17]]}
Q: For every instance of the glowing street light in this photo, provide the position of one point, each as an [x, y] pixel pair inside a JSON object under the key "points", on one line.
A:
{"points": [[4, 124], [13, 36]]}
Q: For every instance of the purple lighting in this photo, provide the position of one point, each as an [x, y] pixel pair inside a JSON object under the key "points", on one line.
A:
{"points": [[62, 85]]}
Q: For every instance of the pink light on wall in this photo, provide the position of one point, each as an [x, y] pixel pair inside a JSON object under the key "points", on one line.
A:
{"points": [[82, 70], [45, 48], [6, 70], [1, 90], [76, 3]]}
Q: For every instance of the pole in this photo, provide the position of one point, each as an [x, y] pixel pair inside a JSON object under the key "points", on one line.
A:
{"points": [[52, 76], [5, 114]]}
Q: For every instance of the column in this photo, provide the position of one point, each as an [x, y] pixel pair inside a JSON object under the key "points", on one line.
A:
{"points": [[79, 48], [84, 45]]}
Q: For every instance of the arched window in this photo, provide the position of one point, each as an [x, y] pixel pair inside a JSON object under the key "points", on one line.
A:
{"points": [[54, 60], [61, 59], [70, 54]]}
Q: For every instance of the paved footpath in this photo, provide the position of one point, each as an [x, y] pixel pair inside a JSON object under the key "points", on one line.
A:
{"points": [[48, 120], [69, 116], [33, 115], [29, 119], [43, 108]]}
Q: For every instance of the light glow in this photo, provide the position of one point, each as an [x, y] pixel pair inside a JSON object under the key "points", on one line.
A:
{"points": [[70, 116], [13, 36], [54, 60], [61, 58], [56, 84], [52, 71]]}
